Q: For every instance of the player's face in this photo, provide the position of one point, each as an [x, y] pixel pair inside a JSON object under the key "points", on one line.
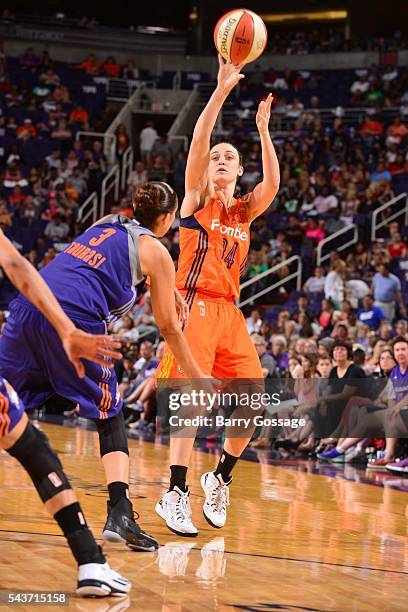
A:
{"points": [[224, 167]]}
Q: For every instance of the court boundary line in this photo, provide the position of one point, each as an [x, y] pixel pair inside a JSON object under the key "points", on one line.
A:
{"points": [[237, 553]]}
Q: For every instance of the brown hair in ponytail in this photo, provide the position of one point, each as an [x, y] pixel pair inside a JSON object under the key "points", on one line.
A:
{"points": [[151, 200]]}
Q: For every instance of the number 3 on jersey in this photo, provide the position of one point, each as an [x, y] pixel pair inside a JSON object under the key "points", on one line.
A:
{"points": [[107, 233], [230, 256]]}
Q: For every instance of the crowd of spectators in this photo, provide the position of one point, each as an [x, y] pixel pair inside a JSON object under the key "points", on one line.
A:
{"points": [[330, 40], [45, 172]]}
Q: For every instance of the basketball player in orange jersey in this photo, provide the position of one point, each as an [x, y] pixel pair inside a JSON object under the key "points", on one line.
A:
{"points": [[214, 245]]}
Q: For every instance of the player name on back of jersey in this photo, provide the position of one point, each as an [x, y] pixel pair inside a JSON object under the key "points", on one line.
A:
{"points": [[86, 254], [234, 232]]}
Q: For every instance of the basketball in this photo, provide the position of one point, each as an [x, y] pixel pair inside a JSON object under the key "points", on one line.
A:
{"points": [[240, 36]]}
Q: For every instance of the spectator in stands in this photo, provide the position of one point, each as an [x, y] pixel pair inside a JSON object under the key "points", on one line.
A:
{"points": [[49, 78], [56, 229], [26, 130], [13, 177], [111, 67], [254, 322], [162, 147], [62, 132], [78, 182], [315, 283], [138, 176], [148, 137], [397, 130], [326, 315], [334, 289], [371, 128], [122, 140], [145, 323], [157, 169], [401, 328], [358, 89], [380, 173], [325, 202], [250, 177], [397, 248], [29, 59], [79, 116], [369, 314], [387, 292], [279, 353], [91, 65], [130, 71], [315, 231], [268, 364], [128, 332], [395, 422]]}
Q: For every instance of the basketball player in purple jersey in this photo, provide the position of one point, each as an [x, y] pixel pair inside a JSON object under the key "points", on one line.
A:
{"points": [[30, 446], [97, 279]]}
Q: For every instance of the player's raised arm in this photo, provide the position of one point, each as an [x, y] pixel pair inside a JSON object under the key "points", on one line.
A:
{"points": [[77, 344], [197, 162], [156, 263], [263, 194]]}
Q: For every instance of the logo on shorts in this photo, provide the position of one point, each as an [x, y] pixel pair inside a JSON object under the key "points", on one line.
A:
{"points": [[180, 370], [201, 306], [11, 393]]}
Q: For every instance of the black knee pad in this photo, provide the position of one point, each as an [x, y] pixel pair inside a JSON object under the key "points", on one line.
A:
{"points": [[42, 463], [112, 434]]}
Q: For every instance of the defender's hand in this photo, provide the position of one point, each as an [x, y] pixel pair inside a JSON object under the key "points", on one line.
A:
{"points": [[97, 348]]}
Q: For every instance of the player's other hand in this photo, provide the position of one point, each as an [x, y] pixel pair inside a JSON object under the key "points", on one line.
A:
{"points": [[264, 114], [228, 75], [100, 349]]}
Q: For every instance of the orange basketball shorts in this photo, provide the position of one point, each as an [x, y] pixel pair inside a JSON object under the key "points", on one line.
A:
{"points": [[219, 340]]}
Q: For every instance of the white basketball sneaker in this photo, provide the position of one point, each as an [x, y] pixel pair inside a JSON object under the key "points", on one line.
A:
{"points": [[174, 507], [216, 499], [99, 580]]}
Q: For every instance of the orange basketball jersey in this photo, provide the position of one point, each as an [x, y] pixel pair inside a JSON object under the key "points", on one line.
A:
{"points": [[214, 244]]}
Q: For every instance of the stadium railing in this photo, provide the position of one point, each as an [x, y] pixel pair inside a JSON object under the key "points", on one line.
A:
{"points": [[109, 143], [127, 167], [320, 257], [89, 209], [294, 275], [187, 114], [122, 89], [109, 183], [395, 202]]}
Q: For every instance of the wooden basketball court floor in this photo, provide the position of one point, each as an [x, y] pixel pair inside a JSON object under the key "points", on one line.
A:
{"points": [[293, 541]]}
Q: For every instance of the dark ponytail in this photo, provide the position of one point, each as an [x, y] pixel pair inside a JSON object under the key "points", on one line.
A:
{"points": [[151, 200]]}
